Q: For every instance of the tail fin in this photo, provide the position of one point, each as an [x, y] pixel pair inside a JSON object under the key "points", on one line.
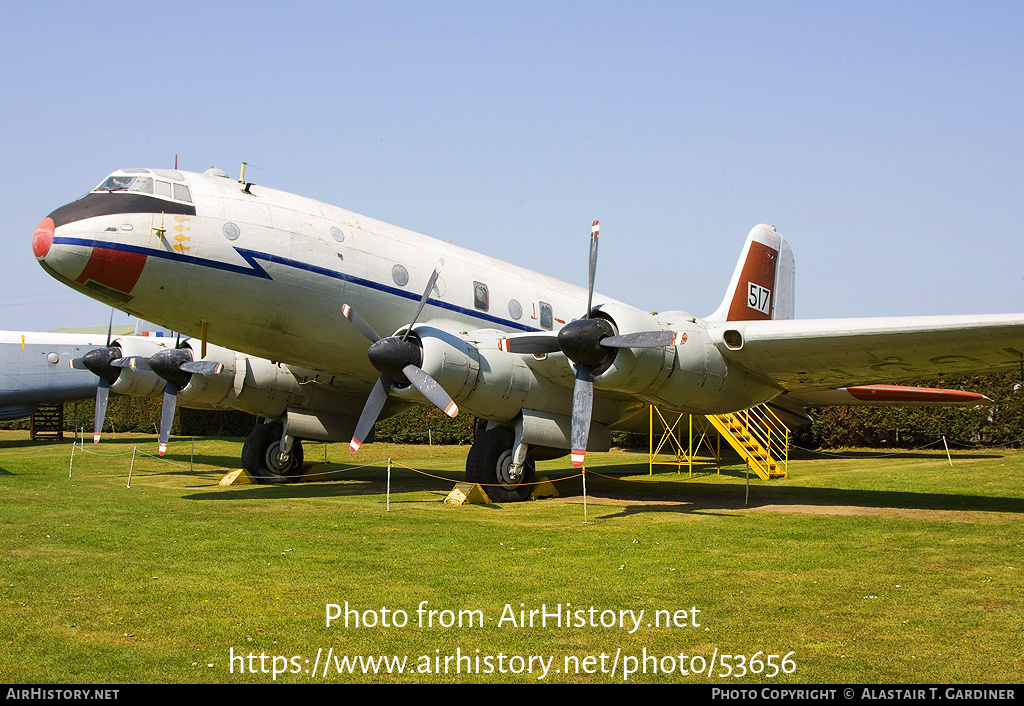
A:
{"points": [[762, 286]]}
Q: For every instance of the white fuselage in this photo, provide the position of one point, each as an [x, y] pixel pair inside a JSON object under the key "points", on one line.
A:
{"points": [[267, 273]]}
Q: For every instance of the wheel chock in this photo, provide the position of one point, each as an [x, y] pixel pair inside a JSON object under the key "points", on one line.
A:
{"points": [[239, 477], [545, 489], [464, 493]]}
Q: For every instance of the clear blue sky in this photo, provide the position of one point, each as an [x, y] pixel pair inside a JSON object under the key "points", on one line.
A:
{"points": [[884, 140]]}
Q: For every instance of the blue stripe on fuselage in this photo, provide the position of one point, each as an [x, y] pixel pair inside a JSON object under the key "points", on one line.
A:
{"points": [[256, 270]]}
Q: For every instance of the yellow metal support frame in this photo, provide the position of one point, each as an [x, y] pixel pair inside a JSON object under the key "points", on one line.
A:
{"points": [[757, 434], [671, 435]]}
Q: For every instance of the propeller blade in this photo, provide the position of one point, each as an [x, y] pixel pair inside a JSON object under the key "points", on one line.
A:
{"points": [[167, 414], [582, 409], [360, 323], [135, 362], [532, 343], [202, 367], [102, 391], [426, 294], [371, 410], [429, 388], [77, 364], [593, 266], [646, 339]]}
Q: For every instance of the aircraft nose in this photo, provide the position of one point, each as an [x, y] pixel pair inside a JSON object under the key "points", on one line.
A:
{"points": [[42, 238]]}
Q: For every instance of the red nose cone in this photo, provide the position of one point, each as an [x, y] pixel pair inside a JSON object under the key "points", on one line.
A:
{"points": [[42, 239]]}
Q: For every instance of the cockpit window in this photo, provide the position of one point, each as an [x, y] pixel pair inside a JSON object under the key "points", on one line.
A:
{"points": [[181, 193], [116, 183], [143, 185]]}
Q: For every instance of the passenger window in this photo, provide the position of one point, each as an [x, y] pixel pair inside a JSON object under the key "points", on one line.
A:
{"points": [[181, 193], [163, 188], [481, 299], [547, 319], [143, 185]]}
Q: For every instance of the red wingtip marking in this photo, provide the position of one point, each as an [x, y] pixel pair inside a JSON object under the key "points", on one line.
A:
{"points": [[898, 393]]}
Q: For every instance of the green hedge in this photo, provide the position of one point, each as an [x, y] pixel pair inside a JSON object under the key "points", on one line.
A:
{"points": [[999, 422]]}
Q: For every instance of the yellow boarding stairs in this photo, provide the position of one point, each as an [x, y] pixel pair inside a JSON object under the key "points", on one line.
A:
{"points": [[757, 434], [759, 437]]}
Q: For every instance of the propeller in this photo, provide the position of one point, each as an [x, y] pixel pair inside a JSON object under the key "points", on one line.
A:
{"points": [[398, 359], [176, 366], [99, 361], [588, 342]]}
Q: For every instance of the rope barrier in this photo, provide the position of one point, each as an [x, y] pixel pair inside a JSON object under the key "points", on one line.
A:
{"points": [[1017, 442]]}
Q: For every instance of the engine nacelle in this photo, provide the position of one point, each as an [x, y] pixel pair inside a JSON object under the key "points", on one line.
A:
{"points": [[140, 383], [483, 380], [693, 375], [636, 370], [216, 390]]}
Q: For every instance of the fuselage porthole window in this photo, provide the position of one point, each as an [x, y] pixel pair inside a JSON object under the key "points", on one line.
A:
{"points": [[338, 235], [481, 298], [400, 275], [515, 309], [547, 318], [231, 231]]}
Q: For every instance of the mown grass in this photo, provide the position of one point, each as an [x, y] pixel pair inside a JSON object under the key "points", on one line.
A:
{"points": [[899, 569]]}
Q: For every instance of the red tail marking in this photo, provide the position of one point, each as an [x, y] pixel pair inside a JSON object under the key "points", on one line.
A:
{"points": [[759, 270]]}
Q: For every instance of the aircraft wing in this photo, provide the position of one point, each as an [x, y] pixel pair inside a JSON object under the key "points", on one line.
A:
{"points": [[822, 354]]}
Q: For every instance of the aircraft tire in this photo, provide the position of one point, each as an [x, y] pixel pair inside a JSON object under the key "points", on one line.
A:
{"points": [[488, 462], [259, 455]]}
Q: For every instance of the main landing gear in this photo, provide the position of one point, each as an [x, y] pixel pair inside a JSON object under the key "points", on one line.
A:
{"points": [[491, 463], [264, 457]]}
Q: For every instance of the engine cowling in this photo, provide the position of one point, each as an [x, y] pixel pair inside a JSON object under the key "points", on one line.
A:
{"points": [[485, 381], [138, 382], [216, 389]]}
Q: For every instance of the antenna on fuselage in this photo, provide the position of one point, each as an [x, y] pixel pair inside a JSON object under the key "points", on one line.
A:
{"points": [[241, 180]]}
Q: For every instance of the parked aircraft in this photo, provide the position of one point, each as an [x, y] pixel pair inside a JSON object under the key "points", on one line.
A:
{"points": [[34, 370], [549, 366], [51, 368]]}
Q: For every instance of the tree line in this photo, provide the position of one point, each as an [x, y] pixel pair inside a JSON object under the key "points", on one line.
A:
{"points": [[999, 421]]}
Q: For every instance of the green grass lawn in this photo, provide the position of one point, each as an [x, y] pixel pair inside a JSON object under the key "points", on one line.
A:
{"points": [[856, 569]]}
